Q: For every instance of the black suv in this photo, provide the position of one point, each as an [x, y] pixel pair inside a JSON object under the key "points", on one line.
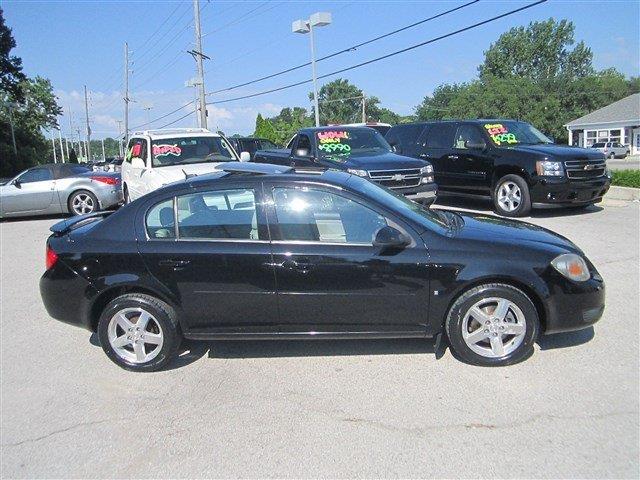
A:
{"points": [[250, 144], [509, 160]]}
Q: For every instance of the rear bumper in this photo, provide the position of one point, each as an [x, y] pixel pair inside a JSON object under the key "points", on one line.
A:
{"points": [[108, 197], [65, 295], [568, 193]]}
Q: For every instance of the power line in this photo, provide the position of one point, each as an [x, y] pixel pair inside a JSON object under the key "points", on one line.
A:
{"points": [[346, 50], [163, 116], [160, 26], [176, 121], [242, 17], [383, 57]]}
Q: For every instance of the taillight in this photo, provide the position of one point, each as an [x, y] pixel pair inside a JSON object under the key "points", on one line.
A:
{"points": [[107, 180], [51, 258]]}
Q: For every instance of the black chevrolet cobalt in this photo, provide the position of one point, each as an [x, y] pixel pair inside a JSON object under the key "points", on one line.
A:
{"points": [[257, 251]]}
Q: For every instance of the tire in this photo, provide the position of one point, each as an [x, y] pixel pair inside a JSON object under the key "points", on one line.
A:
{"points": [[159, 338], [82, 202], [511, 197], [517, 332], [612, 156]]}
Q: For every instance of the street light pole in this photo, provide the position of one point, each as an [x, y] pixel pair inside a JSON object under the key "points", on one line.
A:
{"points": [[319, 19]]}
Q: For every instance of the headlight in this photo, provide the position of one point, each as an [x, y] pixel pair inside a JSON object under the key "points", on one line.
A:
{"points": [[427, 169], [549, 169], [360, 173], [427, 179], [572, 266]]}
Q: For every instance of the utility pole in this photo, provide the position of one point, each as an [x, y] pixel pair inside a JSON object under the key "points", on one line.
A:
{"points": [[198, 55], [120, 149], [61, 145], [10, 106], [126, 93], [364, 108], [80, 149], [104, 157], [86, 110], [53, 142], [66, 141]]}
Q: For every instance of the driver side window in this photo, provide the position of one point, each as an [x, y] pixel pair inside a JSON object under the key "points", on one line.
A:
{"points": [[36, 175], [467, 133], [304, 143], [137, 149]]}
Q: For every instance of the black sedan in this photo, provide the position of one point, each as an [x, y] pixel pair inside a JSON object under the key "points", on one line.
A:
{"points": [[258, 251]]}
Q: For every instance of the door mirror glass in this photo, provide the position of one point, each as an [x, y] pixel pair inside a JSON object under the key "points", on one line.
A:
{"points": [[302, 152], [390, 238], [475, 145], [137, 162], [245, 156], [17, 183]]}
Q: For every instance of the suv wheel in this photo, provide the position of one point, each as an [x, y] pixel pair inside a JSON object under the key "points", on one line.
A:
{"points": [[139, 332], [511, 196], [492, 325]]}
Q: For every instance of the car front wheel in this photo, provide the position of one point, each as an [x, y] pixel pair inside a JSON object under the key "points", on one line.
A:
{"points": [[511, 196], [139, 332], [492, 325]]}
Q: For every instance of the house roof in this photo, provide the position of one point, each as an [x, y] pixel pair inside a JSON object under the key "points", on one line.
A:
{"points": [[625, 110]]}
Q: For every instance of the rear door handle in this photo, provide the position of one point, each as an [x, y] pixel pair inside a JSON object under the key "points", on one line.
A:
{"points": [[297, 266], [453, 157], [174, 263], [424, 155]]}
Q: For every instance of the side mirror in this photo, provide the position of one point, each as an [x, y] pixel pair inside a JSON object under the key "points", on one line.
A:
{"points": [[137, 162], [396, 148], [245, 157], [17, 183], [302, 152], [475, 145], [389, 238]]}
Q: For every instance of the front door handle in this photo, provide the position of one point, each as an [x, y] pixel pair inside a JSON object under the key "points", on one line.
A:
{"points": [[453, 157], [424, 155], [174, 263], [302, 267]]}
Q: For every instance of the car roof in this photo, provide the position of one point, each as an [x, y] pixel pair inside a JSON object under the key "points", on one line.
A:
{"points": [[461, 120], [175, 133], [332, 128]]}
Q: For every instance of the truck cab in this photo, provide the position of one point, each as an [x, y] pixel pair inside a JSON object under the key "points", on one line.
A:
{"points": [[361, 151], [508, 160]]}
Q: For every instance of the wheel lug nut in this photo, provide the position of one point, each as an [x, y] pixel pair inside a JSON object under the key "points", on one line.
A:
{"points": [[487, 322], [495, 334]]}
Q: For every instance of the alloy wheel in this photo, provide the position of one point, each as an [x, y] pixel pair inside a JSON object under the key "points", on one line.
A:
{"points": [[135, 335], [509, 196], [82, 204], [494, 327]]}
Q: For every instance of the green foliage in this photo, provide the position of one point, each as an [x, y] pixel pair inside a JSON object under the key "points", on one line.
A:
{"points": [[10, 66], [282, 127], [626, 178], [530, 74]]}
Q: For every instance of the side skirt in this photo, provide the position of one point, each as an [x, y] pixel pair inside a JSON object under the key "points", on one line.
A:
{"points": [[303, 335]]}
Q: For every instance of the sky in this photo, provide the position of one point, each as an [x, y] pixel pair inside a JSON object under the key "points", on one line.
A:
{"points": [[78, 43]]}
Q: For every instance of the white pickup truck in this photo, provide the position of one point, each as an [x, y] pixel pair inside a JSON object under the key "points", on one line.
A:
{"points": [[155, 158]]}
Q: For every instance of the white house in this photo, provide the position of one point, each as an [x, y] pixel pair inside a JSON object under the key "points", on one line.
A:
{"points": [[617, 122]]}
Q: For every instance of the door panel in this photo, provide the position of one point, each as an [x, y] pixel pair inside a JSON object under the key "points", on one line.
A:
{"points": [[35, 194], [470, 168], [330, 277], [220, 267]]}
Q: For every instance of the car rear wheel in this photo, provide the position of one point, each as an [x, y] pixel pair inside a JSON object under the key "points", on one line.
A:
{"points": [[492, 325], [612, 155], [511, 196], [139, 332], [83, 202]]}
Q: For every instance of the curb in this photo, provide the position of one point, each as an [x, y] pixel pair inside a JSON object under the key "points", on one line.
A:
{"points": [[624, 193]]}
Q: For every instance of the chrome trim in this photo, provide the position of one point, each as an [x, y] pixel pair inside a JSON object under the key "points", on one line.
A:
{"points": [[314, 242]]}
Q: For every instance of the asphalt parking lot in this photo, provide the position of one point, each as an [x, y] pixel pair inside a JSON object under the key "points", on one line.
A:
{"points": [[325, 408]]}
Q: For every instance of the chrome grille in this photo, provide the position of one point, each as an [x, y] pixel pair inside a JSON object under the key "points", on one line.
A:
{"points": [[409, 177], [585, 169]]}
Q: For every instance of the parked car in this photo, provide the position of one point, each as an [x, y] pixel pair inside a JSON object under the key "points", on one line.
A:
{"points": [[508, 160], [59, 188], [158, 157], [358, 150], [611, 149], [250, 145], [258, 251]]}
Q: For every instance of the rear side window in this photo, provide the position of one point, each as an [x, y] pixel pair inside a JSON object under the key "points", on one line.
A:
{"points": [[218, 215], [305, 214], [440, 135], [404, 134], [161, 221]]}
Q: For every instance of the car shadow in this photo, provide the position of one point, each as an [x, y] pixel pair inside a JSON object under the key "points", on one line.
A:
{"points": [[566, 340], [486, 206], [56, 216]]}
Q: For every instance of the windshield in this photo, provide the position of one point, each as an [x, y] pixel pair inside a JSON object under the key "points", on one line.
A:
{"points": [[515, 133], [342, 143], [404, 206], [187, 150]]}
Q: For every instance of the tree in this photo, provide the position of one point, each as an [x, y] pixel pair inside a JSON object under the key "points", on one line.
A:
{"points": [[73, 157], [10, 66], [539, 52]]}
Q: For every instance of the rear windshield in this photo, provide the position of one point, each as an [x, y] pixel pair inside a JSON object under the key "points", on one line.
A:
{"points": [[188, 150], [598, 145]]}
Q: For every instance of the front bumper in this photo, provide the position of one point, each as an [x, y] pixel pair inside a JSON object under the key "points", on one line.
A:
{"points": [[563, 192], [573, 305], [425, 193]]}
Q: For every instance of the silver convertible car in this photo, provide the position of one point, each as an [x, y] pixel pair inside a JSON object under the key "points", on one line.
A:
{"points": [[59, 188]]}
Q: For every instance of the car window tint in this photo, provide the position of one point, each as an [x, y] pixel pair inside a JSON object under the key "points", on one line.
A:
{"points": [[36, 175], [137, 148], [467, 133], [408, 134], [161, 220], [266, 145], [440, 135], [304, 142], [220, 214], [320, 216]]}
